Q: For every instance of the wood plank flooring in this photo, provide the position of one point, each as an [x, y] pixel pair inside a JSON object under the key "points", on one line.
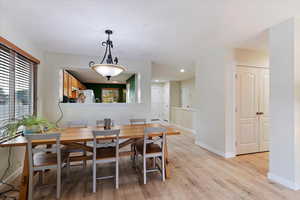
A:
{"points": [[196, 174]]}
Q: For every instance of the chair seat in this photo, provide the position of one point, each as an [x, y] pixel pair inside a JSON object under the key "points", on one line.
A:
{"points": [[48, 159], [106, 153], [72, 149], [150, 148]]}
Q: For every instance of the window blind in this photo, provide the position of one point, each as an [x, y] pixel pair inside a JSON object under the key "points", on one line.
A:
{"points": [[16, 87]]}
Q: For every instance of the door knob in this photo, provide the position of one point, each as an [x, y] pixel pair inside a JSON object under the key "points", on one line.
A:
{"points": [[259, 113]]}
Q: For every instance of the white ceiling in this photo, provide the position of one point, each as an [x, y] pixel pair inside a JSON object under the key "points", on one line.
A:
{"points": [[164, 72], [169, 32], [88, 75]]}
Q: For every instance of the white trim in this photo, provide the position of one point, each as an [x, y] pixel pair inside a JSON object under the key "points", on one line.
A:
{"points": [[230, 155], [283, 181], [12, 176], [183, 128], [213, 150], [209, 148]]}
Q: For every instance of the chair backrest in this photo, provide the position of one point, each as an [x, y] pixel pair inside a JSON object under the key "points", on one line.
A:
{"points": [[77, 123], [115, 142], [161, 139], [138, 121], [101, 123], [54, 149]]}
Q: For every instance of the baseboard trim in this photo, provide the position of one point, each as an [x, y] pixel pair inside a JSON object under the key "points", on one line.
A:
{"points": [[213, 150], [230, 155], [12, 176], [183, 128], [209, 148], [283, 181]]}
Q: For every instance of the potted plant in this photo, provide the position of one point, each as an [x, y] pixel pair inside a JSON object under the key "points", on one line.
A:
{"points": [[29, 125], [34, 124]]}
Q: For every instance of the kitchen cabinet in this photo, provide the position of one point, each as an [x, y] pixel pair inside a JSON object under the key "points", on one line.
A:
{"points": [[66, 84], [71, 85]]}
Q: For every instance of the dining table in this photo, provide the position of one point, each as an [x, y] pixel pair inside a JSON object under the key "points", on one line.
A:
{"points": [[78, 137]]}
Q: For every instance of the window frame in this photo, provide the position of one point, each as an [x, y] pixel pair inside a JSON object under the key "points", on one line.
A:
{"points": [[14, 54]]}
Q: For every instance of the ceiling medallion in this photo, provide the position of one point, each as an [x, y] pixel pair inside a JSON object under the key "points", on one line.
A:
{"points": [[111, 67]]}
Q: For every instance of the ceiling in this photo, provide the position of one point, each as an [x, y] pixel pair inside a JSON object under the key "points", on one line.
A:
{"points": [[88, 75], [169, 32]]}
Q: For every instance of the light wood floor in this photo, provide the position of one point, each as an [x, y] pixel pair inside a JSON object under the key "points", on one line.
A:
{"points": [[196, 174]]}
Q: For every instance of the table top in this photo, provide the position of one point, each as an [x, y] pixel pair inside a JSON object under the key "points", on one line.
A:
{"points": [[85, 134]]}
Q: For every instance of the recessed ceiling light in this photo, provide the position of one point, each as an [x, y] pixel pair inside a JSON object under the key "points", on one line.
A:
{"points": [[182, 70], [156, 80]]}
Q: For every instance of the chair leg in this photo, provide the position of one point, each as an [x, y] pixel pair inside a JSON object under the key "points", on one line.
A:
{"points": [[58, 184], [41, 177], [154, 162], [84, 162], [132, 150], [30, 186], [117, 174], [68, 167], [94, 176], [145, 170], [163, 168]]}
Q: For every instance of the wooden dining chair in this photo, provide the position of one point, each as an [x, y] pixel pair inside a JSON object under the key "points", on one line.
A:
{"points": [[134, 121], [150, 149], [44, 158], [107, 154], [71, 150]]}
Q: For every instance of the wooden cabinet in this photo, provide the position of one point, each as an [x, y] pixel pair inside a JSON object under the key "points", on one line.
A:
{"points": [[71, 85], [66, 84]]}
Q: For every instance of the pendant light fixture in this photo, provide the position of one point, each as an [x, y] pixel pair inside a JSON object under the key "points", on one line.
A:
{"points": [[111, 67]]}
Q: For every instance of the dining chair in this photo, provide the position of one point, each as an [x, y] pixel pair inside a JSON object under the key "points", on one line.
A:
{"points": [[134, 121], [101, 123], [77, 124], [138, 121], [150, 149], [107, 154], [44, 158]]}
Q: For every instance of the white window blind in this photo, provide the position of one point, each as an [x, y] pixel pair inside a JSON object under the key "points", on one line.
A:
{"points": [[16, 87]]}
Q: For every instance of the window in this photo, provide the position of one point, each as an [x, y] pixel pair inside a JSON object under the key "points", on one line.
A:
{"points": [[16, 86]]}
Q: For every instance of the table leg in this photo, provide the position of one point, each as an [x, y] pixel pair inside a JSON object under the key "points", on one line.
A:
{"points": [[167, 167], [25, 178]]}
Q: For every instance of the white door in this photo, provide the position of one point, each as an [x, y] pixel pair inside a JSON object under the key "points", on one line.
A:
{"points": [[247, 106], [252, 115], [156, 101], [166, 102]]}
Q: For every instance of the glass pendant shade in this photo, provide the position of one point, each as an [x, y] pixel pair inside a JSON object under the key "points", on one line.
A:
{"points": [[108, 70], [111, 68]]}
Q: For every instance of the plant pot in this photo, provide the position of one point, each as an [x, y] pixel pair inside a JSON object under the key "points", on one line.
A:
{"points": [[32, 129]]}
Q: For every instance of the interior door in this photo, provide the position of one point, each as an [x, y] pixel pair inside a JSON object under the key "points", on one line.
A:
{"points": [[166, 102], [264, 117], [156, 102], [247, 82]]}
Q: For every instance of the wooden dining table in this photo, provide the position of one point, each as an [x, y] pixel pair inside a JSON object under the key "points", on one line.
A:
{"points": [[77, 137]]}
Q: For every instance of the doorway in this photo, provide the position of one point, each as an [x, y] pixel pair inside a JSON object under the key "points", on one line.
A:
{"points": [[252, 109]]}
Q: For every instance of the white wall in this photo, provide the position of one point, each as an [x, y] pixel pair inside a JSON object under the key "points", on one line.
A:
{"points": [[215, 101], [188, 93], [11, 33], [175, 92], [251, 58], [284, 164], [91, 112]]}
